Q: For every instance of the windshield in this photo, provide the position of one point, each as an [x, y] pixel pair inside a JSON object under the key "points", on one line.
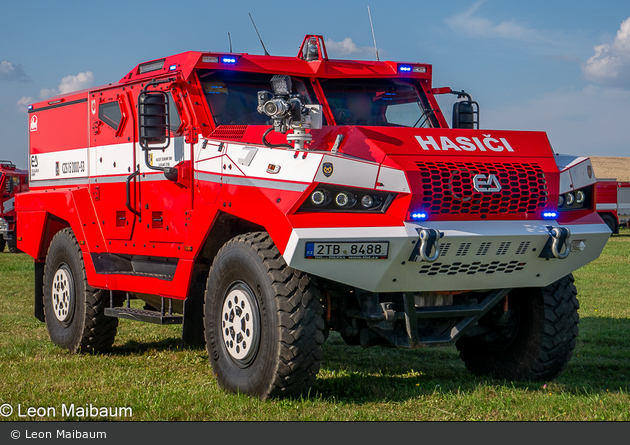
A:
{"points": [[232, 96], [381, 102]]}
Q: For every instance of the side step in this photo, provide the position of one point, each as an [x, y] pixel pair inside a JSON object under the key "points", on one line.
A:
{"points": [[130, 313]]}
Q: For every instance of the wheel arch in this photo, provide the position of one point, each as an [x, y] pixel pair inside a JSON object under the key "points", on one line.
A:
{"points": [[224, 227]]}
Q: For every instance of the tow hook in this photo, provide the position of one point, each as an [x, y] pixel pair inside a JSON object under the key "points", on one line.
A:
{"points": [[560, 237], [429, 241]]}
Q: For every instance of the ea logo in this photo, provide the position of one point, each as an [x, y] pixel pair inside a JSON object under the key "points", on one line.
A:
{"points": [[486, 183], [327, 169], [33, 123]]}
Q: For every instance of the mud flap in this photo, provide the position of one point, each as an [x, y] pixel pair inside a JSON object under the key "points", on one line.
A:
{"points": [[39, 291]]}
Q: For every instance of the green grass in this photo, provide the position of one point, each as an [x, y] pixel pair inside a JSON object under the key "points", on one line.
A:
{"points": [[154, 373]]}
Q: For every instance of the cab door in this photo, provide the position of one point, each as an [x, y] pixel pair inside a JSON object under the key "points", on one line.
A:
{"points": [[112, 161]]}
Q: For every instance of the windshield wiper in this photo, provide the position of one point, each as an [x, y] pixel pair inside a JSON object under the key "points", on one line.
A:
{"points": [[426, 114]]}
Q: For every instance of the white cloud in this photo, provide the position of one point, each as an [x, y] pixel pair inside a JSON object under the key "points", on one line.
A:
{"points": [[588, 122], [69, 84], [611, 63], [347, 48], [468, 22], [23, 103], [10, 71], [74, 83], [45, 93]]}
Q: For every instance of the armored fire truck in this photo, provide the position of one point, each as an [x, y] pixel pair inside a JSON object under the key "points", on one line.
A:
{"points": [[264, 201], [12, 181]]}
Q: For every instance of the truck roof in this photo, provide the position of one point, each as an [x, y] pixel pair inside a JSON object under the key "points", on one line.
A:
{"points": [[322, 66], [300, 65]]}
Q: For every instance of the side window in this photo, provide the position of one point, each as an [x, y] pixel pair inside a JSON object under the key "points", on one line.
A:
{"points": [[110, 114], [173, 114]]}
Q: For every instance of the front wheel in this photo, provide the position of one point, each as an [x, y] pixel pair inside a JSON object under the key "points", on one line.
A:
{"points": [[2, 244], [13, 245], [263, 320], [537, 340]]}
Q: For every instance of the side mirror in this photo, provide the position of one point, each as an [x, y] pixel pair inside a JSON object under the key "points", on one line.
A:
{"points": [[466, 114], [153, 120]]}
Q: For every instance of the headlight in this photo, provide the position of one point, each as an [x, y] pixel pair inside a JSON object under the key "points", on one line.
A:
{"points": [[345, 199], [331, 198], [579, 197], [576, 200], [369, 201], [320, 197]]}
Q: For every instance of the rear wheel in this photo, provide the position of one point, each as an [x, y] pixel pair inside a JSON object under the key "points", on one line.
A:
{"points": [[263, 320], [610, 222], [536, 342], [74, 310]]}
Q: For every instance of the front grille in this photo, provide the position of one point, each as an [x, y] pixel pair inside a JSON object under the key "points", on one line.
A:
{"points": [[447, 188], [234, 132], [471, 268]]}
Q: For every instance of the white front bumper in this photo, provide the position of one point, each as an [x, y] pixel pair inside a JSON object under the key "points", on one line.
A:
{"points": [[475, 255]]}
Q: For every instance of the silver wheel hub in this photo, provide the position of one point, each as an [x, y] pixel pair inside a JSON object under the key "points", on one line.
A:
{"points": [[240, 324], [63, 294]]}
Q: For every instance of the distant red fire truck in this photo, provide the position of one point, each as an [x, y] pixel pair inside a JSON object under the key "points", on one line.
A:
{"points": [[264, 201], [12, 181], [613, 202]]}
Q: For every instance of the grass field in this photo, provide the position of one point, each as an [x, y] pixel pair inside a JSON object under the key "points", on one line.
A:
{"points": [[151, 371]]}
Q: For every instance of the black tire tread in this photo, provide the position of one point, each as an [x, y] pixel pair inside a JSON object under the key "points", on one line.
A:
{"points": [[300, 315], [12, 243], [556, 342], [99, 330], [2, 244]]}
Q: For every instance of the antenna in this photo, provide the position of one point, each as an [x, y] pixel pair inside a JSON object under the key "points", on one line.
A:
{"points": [[373, 36], [230, 39], [261, 42]]}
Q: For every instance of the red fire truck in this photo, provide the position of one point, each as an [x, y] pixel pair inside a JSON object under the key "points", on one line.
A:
{"points": [[263, 201], [613, 202], [12, 181]]}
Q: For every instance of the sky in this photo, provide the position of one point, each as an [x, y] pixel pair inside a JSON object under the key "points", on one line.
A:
{"points": [[562, 67]]}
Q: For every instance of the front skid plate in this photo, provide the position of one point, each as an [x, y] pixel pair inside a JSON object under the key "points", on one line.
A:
{"points": [[474, 255]]}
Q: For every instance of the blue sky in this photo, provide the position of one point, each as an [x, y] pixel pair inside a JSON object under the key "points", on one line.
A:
{"points": [[558, 66]]}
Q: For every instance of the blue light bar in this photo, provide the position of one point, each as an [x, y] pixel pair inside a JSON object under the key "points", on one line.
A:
{"points": [[30, 107], [172, 67], [404, 68], [227, 59], [550, 214], [419, 216]]}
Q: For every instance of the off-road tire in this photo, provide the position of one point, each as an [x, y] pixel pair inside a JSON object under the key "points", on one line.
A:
{"points": [[540, 340], [2, 244], [610, 222], [12, 243], [286, 358], [83, 327]]}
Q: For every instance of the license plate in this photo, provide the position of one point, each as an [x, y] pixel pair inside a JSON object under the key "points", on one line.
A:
{"points": [[341, 251]]}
